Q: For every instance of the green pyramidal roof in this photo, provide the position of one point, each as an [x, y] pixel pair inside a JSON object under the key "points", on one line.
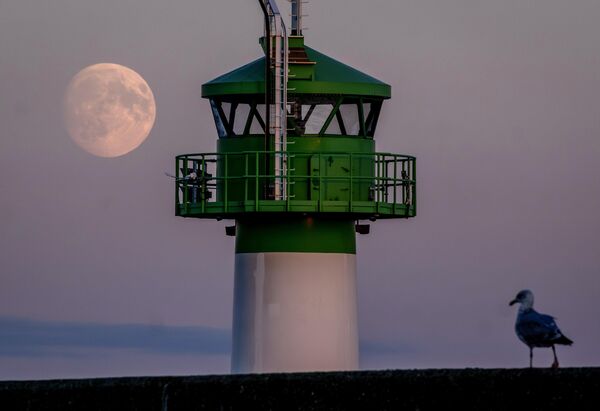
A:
{"points": [[323, 75]]}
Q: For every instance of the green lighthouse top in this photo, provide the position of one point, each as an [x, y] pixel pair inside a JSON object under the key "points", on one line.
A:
{"points": [[311, 72], [296, 138]]}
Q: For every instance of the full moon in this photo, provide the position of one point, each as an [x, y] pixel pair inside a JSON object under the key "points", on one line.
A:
{"points": [[109, 109]]}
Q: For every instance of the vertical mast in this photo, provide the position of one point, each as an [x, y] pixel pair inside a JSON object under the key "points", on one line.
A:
{"points": [[278, 50], [296, 17]]}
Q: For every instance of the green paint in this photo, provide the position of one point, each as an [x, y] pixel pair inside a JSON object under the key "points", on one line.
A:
{"points": [[325, 144], [309, 158], [337, 177], [355, 210], [327, 76], [301, 235], [354, 185], [294, 41]]}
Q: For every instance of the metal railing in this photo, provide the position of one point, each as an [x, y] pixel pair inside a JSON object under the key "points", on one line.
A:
{"points": [[209, 184]]}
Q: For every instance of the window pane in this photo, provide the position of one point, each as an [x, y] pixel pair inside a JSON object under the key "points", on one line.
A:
{"points": [[258, 124], [350, 116], [240, 118], [226, 110], [371, 117], [366, 111], [317, 118], [218, 122], [334, 126]]}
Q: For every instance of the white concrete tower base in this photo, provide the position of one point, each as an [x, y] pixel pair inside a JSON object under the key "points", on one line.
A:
{"points": [[294, 312]]}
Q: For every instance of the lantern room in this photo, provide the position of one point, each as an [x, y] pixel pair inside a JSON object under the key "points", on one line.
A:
{"points": [[327, 162]]}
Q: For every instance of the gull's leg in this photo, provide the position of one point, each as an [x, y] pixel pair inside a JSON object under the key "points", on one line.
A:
{"points": [[555, 363], [530, 357]]}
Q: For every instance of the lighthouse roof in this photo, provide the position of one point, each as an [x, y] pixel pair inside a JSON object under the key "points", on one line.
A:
{"points": [[320, 75]]}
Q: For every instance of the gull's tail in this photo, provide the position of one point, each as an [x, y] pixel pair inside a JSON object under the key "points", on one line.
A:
{"points": [[563, 340]]}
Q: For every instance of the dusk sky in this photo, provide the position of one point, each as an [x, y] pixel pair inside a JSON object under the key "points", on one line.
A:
{"points": [[499, 100]]}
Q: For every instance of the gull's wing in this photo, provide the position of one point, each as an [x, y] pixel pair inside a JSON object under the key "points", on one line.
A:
{"points": [[537, 330]]}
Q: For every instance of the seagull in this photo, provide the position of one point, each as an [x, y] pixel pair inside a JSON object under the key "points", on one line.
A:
{"points": [[535, 329]]}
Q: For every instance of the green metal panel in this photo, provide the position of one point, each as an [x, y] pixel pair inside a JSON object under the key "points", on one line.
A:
{"points": [[293, 41], [246, 159], [325, 144], [295, 234], [327, 76], [314, 171], [332, 144], [242, 152]]}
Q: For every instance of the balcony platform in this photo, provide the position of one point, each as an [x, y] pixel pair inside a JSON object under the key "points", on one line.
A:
{"points": [[325, 184], [357, 209]]}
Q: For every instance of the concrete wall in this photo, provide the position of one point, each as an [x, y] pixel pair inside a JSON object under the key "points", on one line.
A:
{"points": [[565, 389]]}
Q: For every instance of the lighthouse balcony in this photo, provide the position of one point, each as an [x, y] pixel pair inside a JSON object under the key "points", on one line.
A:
{"points": [[356, 185]]}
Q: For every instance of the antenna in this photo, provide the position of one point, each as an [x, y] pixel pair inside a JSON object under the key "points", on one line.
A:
{"points": [[296, 17]]}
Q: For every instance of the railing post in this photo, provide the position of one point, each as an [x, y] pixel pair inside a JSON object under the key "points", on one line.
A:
{"points": [[177, 185], [386, 175], [203, 187], [245, 180], [395, 183], [414, 185], [226, 181], [378, 184], [185, 185], [256, 181], [320, 183], [287, 180], [351, 183]]}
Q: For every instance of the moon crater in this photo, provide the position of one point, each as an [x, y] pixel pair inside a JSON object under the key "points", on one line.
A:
{"points": [[109, 109]]}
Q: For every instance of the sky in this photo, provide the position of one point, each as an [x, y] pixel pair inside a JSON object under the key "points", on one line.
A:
{"points": [[498, 100]]}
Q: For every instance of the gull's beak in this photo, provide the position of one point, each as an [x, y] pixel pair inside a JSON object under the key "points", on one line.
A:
{"points": [[513, 302]]}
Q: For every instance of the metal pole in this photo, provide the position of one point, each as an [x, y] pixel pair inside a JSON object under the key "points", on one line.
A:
{"points": [[296, 17], [267, 90], [278, 46]]}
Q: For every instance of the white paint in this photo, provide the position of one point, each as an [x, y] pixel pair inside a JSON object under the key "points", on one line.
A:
{"points": [[294, 312]]}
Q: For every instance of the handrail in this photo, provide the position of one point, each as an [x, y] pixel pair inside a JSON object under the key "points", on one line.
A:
{"points": [[384, 153], [376, 183]]}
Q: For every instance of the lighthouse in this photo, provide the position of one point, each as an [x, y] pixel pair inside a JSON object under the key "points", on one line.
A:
{"points": [[297, 175]]}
